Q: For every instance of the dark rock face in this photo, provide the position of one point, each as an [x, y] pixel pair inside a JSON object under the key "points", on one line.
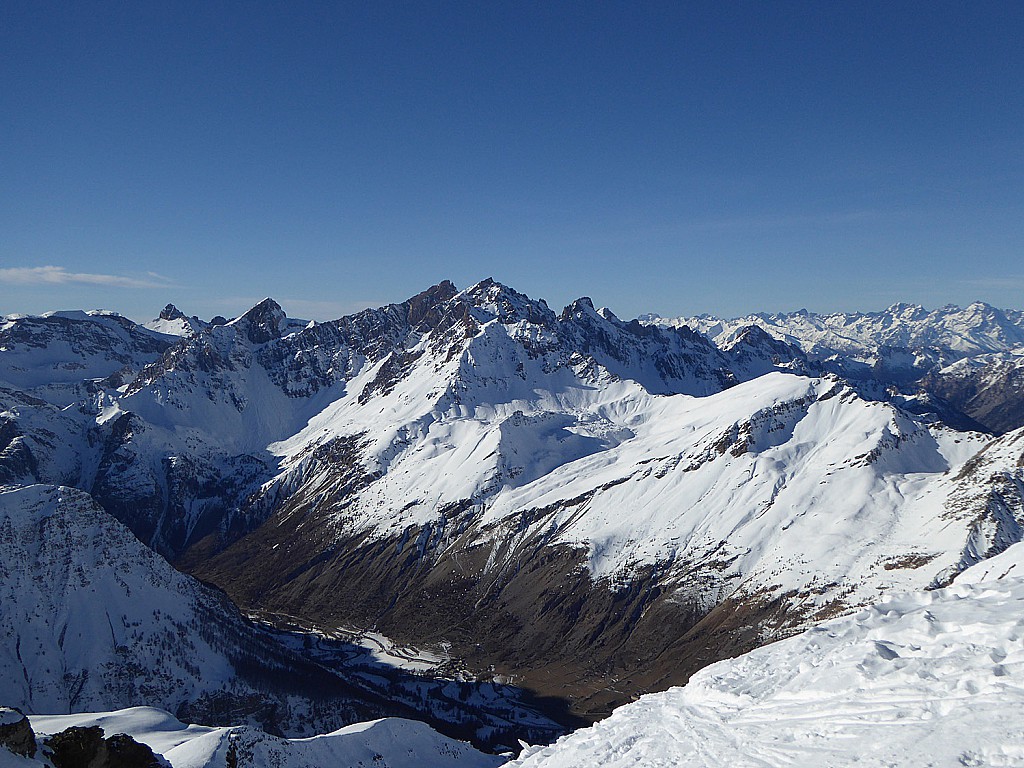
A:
{"points": [[86, 748], [17, 464], [16, 734], [991, 392], [263, 322], [171, 312]]}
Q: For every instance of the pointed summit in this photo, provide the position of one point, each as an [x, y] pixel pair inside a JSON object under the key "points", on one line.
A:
{"points": [[507, 304], [424, 307], [263, 322], [583, 306], [171, 312]]}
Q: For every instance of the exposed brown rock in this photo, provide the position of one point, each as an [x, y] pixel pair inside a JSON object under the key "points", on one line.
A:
{"points": [[538, 619]]}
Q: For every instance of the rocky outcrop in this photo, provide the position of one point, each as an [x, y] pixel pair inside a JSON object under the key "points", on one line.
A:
{"points": [[16, 733], [87, 748]]}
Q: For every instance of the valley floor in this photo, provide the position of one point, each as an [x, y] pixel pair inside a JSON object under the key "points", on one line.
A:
{"points": [[933, 678]]}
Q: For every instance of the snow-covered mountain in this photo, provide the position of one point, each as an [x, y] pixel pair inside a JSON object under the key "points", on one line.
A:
{"points": [[587, 507], [173, 445], [989, 387], [57, 354], [955, 364], [92, 619], [621, 536], [929, 678], [976, 329]]}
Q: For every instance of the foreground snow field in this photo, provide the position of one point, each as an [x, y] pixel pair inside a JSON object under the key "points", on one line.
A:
{"points": [[927, 679], [387, 743]]}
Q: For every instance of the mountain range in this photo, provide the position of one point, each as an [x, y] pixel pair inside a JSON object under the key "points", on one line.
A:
{"points": [[563, 510], [968, 364]]}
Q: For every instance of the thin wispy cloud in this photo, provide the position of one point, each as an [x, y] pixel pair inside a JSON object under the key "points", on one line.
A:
{"points": [[51, 275], [307, 309], [1001, 283], [826, 219], [325, 310]]}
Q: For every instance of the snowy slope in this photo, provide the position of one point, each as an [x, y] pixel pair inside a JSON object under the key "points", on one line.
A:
{"points": [[92, 619], [652, 534], [387, 743], [78, 593], [53, 355], [796, 482], [932, 678]]}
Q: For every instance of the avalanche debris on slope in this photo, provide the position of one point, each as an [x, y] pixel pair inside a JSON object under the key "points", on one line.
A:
{"points": [[933, 678]]}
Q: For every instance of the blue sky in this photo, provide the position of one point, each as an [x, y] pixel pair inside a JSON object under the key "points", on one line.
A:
{"points": [[678, 157]]}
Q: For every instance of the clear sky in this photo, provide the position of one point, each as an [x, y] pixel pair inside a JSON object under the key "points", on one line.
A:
{"points": [[675, 157]]}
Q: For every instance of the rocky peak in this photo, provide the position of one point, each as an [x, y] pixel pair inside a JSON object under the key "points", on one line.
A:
{"points": [[750, 336], [171, 312], [425, 307], [263, 322], [756, 352], [508, 305], [583, 306]]}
